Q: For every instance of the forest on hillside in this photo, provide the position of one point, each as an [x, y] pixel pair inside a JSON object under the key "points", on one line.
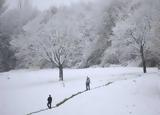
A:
{"points": [[99, 33]]}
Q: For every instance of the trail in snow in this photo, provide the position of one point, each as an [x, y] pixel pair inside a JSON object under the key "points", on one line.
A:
{"points": [[66, 99], [76, 94], [38, 84]]}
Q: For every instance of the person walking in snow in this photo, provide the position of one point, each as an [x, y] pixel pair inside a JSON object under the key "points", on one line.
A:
{"points": [[88, 83], [49, 104]]}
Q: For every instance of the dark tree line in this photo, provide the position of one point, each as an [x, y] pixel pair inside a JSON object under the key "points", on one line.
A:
{"points": [[7, 59]]}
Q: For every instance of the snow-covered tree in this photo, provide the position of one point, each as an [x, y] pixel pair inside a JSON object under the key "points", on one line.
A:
{"points": [[97, 33], [135, 33], [14, 19], [11, 23], [6, 55], [54, 50], [88, 24], [51, 37], [112, 12]]}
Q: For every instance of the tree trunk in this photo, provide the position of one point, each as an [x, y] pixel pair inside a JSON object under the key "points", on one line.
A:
{"points": [[61, 73], [143, 59]]}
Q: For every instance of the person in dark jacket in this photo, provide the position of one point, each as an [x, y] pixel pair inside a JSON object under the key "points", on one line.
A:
{"points": [[88, 83], [49, 104]]}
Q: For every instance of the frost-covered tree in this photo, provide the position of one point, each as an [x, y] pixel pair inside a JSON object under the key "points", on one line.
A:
{"points": [[139, 34], [112, 12], [135, 33], [14, 19], [52, 49], [113, 31], [49, 37], [11, 23], [88, 24], [6, 55]]}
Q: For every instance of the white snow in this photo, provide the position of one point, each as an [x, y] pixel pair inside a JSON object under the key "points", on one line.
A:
{"points": [[131, 93]]}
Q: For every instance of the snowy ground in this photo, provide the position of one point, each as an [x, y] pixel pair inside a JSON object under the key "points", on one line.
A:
{"points": [[131, 93]]}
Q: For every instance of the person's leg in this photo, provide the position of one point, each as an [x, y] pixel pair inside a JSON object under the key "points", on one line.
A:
{"points": [[86, 87], [48, 105]]}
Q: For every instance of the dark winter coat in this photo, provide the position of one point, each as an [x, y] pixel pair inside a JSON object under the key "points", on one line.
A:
{"points": [[88, 81], [49, 99]]}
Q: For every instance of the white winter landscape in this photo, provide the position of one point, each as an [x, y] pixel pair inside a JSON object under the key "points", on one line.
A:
{"points": [[130, 93], [51, 51]]}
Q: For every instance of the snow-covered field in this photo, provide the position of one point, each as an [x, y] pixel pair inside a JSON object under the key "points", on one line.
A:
{"points": [[131, 93]]}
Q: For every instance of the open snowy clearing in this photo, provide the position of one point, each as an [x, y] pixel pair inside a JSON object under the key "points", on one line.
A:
{"points": [[131, 93]]}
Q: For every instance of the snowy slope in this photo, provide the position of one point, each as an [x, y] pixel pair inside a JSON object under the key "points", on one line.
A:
{"points": [[133, 97], [131, 93]]}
